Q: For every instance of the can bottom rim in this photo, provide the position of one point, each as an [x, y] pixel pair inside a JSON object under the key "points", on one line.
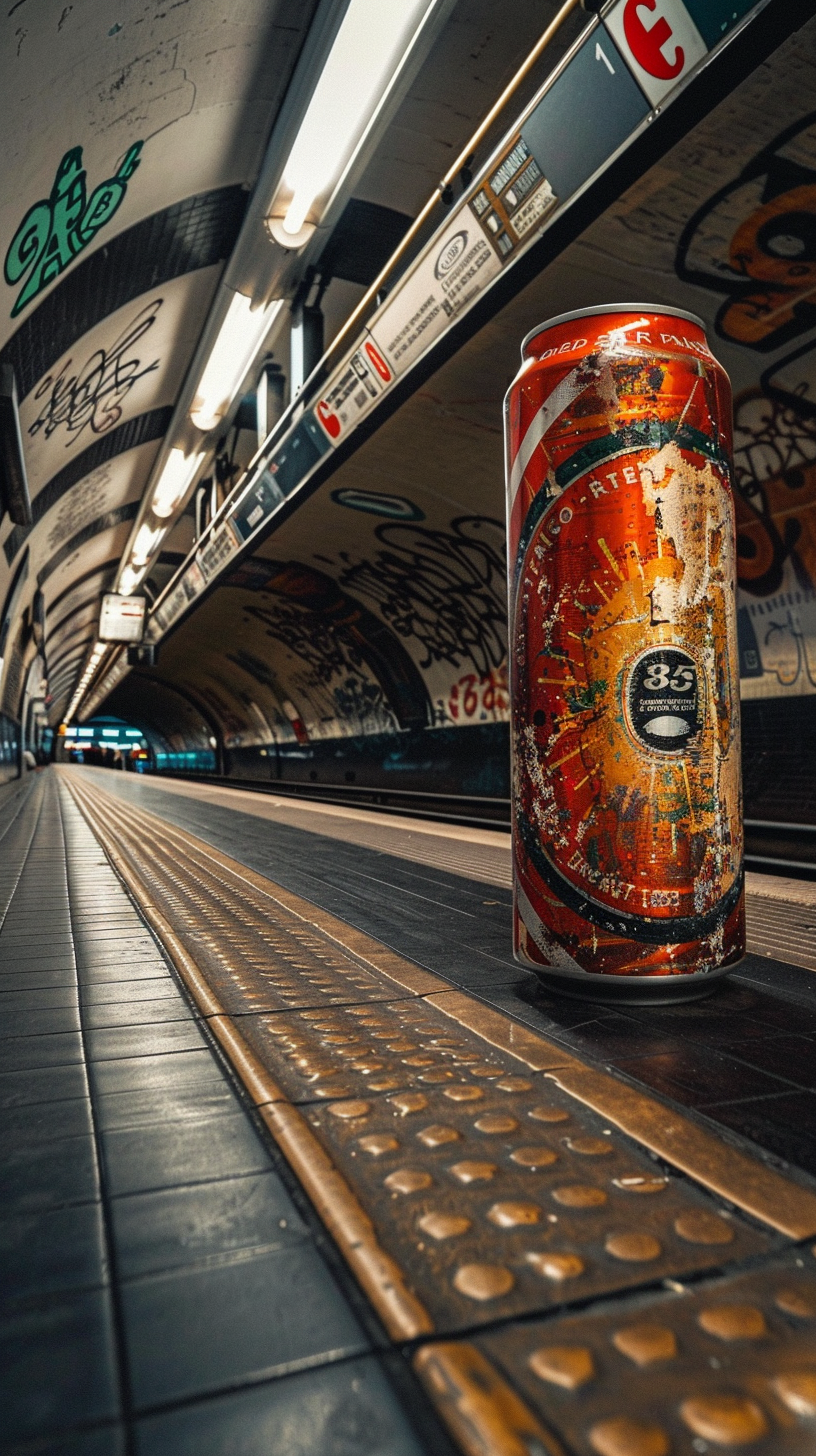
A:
{"points": [[634, 990]]}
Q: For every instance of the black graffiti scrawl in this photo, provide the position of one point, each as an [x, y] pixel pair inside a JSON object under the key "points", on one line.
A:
{"points": [[91, 395]]}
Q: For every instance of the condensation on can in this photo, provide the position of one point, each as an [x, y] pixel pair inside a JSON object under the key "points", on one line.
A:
{"points": [[627, 812]]}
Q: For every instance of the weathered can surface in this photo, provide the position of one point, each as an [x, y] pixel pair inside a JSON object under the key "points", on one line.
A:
{"points": [[626, 777]]}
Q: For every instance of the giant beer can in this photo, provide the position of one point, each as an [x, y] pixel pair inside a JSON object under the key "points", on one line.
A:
{"points": [[627, 812]]}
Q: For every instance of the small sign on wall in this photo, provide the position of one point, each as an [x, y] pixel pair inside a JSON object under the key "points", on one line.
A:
{"points": [[121, 618]]}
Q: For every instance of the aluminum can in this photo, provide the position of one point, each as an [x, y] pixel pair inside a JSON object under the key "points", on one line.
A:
{"points": [[627, 807]]}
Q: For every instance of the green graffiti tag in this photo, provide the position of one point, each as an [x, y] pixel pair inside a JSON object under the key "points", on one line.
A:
{"points": [[56, 229]]}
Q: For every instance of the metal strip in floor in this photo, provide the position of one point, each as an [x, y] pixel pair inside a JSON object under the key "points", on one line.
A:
{"points": [[537, 1231]]}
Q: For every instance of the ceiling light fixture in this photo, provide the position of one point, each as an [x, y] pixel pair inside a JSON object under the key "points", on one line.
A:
{"points": [[372, 45], [147, 539], [174, 482], [129, 579], [239, 339]]}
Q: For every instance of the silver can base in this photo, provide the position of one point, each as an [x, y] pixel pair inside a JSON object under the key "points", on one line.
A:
{"points": [[629, 990]]}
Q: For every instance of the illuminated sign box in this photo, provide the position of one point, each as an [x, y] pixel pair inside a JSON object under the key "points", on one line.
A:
{"points": [[122, 618]]}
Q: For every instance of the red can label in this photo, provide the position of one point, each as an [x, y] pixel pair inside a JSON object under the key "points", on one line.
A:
{"points": [[626, 782]]}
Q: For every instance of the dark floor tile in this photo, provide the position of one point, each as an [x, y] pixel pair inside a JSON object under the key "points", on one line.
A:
{"points": [[138, 1013], [189, 1225], [117, 991], [143, 1040], [791, 1057], [38, 1020], [101, 1441], [44, 1174], [51, 1251], [171, 1069], [22, 980], [44, 1122], [695, 1076], [123, 970], [199, 1330], [44, 1084], [57, 1366], [345, 1409], [166, 1104], [34, 998], [27, 1053], [182, 1152], [785, 1126], [613, 1036]]}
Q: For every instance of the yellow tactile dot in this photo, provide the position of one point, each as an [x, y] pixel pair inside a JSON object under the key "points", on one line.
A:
{"points": [[463, 1094], [378, 1144], [335, 1038], [556, 1266], [418, 1061], [512, 1214], [471, 1171], [621, 1436], [641, 1183], [544, 1113], [569, 1366], [354, 1108], [728, 1420], [632, 1248], [495, 1123], [514, 1084], [407, 1180], [733, 1322], [646, 1344], [699, 1227], [797, 1389], [533, 1157], [796, 1302], [383, 1084], [590, 1147], [443, 1225], [579, 1195], [439, 1074], [483, 1281], [409, 1102], [437, 1134]]}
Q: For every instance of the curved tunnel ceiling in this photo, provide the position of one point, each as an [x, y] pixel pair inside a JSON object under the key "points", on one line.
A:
{"points": [[379, 604], [103, 306]]}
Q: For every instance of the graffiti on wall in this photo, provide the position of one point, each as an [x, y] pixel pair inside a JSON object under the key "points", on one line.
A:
{"points": [[93, 397], [58, 227], [447, 590], [340, 642], [754, 243]]}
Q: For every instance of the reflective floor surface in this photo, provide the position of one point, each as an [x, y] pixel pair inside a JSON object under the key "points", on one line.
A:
{"points": [[298, 1160]]}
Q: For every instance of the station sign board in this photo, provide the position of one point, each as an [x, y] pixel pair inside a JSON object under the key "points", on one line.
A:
{"points": [[121, 619]]}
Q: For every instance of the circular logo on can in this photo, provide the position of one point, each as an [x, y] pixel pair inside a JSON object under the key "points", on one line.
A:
{"points": [[663, 707]]}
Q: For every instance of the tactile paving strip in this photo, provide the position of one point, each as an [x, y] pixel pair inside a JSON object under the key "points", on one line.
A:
{"points": [[504, 1197], [726, 1364]]}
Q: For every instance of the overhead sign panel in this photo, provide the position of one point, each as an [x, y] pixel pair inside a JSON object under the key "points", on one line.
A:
{"points": [[591, 110], [121, 619]]}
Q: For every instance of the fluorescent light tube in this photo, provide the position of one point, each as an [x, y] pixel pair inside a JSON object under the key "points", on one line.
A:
{"points": [[147, 539], [174, 481], [129, 579], [374, 40], [240, 337]]}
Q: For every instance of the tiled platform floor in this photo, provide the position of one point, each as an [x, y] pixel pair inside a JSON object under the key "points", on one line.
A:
{"points": [[745, 1058], [162, 1289]]}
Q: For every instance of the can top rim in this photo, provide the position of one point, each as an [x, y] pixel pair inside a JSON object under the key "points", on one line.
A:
{"points": [[577, 313]]}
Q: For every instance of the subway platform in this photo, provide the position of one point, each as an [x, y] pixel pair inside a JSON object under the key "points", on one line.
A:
{"points": [[297, 1161]]}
